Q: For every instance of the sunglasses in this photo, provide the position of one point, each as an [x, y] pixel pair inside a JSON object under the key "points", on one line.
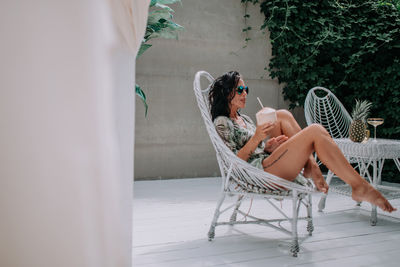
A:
{"points": [[240, 89]]}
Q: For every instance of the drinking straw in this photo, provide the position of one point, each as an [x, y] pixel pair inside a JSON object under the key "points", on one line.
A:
{"points": [[259, 101]]}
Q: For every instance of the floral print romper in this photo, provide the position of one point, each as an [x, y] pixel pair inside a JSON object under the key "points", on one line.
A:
{"points": [[236, 136]]}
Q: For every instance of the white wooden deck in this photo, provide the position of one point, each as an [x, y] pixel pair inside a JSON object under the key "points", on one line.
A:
{"points": [[172, 217]]}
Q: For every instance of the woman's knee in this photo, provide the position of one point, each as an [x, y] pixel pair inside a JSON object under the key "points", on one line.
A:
{"points": [[284, 114], [316, 128]]}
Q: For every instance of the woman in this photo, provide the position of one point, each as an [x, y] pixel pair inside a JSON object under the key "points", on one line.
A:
{"points": [[288, 149]]}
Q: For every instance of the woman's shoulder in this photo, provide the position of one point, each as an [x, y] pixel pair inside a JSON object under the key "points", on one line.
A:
{"points": [[222, 120]]}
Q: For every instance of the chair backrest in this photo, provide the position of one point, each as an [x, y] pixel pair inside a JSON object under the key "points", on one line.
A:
{"points": [[322, 106], [223, 152], [244, 174]]}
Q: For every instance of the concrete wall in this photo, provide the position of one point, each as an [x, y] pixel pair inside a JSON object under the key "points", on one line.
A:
{"points": [[172, 142]]}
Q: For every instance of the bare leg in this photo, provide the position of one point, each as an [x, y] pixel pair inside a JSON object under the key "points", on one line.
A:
{"points": [[290, 157], [287, 125]]}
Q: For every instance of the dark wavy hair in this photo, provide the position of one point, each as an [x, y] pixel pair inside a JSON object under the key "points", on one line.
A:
{"points": [[220, 94]]}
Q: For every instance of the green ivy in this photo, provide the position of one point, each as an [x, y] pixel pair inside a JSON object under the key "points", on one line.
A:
{"points": [[159, 24], [350, 47]]}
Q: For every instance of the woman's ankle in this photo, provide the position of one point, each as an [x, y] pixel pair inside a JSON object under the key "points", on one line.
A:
{"points": [[360, 185]]}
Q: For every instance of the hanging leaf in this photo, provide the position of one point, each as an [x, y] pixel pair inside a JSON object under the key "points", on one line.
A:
{"points": [[164, 7], [142, 96], [163, 2], [167, 31], [155, 16], [143, 48], [159, 24]]}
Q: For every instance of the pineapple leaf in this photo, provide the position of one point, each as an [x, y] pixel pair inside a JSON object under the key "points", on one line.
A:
{"points": [[361, 110]]}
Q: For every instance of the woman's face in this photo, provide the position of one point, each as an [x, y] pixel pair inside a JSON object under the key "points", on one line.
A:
{"points": [[238, 101]]}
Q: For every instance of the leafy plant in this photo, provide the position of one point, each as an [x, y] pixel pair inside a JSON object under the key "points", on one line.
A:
{"points": [[350, 47], [247, 28], [159, 24]]}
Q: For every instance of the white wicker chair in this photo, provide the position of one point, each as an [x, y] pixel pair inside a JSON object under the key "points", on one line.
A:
{"points": [[322, 106], [328, 111], [244, 180]]}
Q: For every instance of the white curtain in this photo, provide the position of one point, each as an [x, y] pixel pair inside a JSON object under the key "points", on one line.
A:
{"points": [[130, 17], [65, 177]]}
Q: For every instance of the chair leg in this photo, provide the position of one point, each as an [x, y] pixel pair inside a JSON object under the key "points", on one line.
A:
{"points": [[310, 225], [234, 214], [294, 248], [322, 202], [362, 170], [211, 232], [374, 216]]}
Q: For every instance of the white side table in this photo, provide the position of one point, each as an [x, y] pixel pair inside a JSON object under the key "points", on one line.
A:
{"points": [[368, 154]]}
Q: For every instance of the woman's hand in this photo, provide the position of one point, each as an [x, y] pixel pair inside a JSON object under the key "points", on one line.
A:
{"points": [[274, 142], [261, 133], [263, 130]]}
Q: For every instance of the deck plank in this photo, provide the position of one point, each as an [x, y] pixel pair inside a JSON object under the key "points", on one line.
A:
{"points": [[172, 217]]}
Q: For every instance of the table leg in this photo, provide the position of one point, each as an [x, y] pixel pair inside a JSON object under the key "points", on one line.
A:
{"points": [[397, 163], [374, 217], [363, 167], [380, 168], [362, 170]]}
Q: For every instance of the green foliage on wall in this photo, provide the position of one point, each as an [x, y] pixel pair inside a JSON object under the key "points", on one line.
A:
{"points": [[350, 47], [159, 25]]}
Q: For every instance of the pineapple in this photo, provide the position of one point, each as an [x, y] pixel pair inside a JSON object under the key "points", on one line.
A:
{"points": [[358, 126]]}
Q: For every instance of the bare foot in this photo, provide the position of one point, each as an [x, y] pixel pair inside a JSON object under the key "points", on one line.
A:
{"points": [[365, 192], [314, 172], [320, 183]]}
